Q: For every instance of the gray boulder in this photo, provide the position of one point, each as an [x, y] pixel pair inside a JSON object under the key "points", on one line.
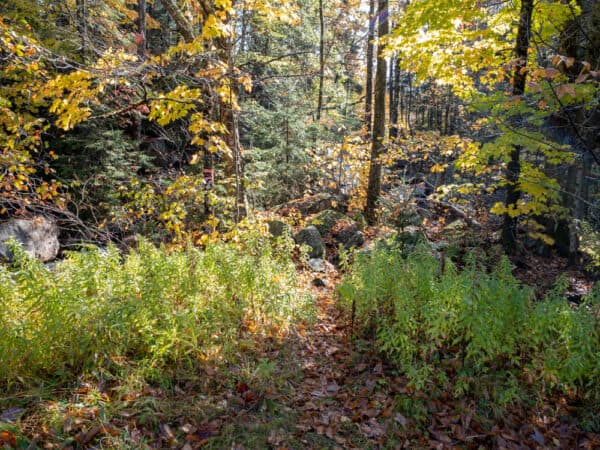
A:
{"points": [[279, 228], [348, 235], [310, 236], [38, 236], [357, 240]]}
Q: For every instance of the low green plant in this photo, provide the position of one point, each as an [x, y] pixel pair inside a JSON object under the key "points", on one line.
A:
{"points": [[154, 310], [484, 329]]}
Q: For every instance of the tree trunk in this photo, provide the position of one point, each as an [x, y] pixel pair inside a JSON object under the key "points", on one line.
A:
{"points": [[369, 83], [401, 104], [447, 112], [141, 41], [409, 104], [321, 59], [82, 26], [234, 166], [513, 194], [183, 26], [377, 146], [395, 99]]}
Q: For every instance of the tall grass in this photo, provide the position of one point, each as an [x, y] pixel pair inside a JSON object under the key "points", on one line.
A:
{"points": [[153, 308]]}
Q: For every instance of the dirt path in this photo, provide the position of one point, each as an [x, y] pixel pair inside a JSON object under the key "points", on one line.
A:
{"points": [[347, 398], [342, 399], [334, 395]]}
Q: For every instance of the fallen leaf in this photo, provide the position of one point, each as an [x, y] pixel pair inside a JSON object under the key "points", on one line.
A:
{"points": [[241, 388], [188, 428], [333, 387], [8, 438], [440, 436], [166, 430], [538, 436], [85, 437], [399, 418]]}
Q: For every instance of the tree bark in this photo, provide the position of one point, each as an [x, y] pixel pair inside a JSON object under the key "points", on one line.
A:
{"points": [[141, 44], [183, 26], [409, 104], [395, 97], [321, 60], [377, 146], [82, 26], [513, 172], [369, 83]]}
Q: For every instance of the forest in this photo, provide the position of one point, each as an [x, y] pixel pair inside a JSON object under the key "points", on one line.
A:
{"points": [[329, 224]]}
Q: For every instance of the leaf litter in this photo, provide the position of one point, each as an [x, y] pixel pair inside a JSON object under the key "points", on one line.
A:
{"points": [[325, 390]]}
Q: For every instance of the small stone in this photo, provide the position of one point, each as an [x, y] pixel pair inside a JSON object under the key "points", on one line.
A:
{"points": [[439, 246], [316, 264]]}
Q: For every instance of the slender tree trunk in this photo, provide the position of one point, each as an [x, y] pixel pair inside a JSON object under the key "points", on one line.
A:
{"points": [[244, 31], [369, 83], [576, 218], [513, 194], [447, 112], [582, 209], [409, 104], [395, 99], [141, 43], [377, 148], [390, 87], [233, 140], [401, 114], [82, 26], [321, 59]]}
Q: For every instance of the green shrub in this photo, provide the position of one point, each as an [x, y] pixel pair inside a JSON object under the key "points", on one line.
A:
{"points": [[483, 329], [152, 309]]}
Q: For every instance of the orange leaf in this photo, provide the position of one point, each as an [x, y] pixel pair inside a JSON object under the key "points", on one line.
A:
{"points": [[8, 438], [556, 60]]}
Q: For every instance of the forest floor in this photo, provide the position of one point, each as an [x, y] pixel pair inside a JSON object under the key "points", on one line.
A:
{"points": [[316, 387], [340, 394]]}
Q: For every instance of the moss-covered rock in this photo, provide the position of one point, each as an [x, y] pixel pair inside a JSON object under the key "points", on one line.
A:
{"points": [[310, 236], [279, 228], [325, 220]]}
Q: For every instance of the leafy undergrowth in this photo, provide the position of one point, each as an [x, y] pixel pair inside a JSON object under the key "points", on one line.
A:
{"points": [[155, 311], [297, 378], [479, 339]]}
